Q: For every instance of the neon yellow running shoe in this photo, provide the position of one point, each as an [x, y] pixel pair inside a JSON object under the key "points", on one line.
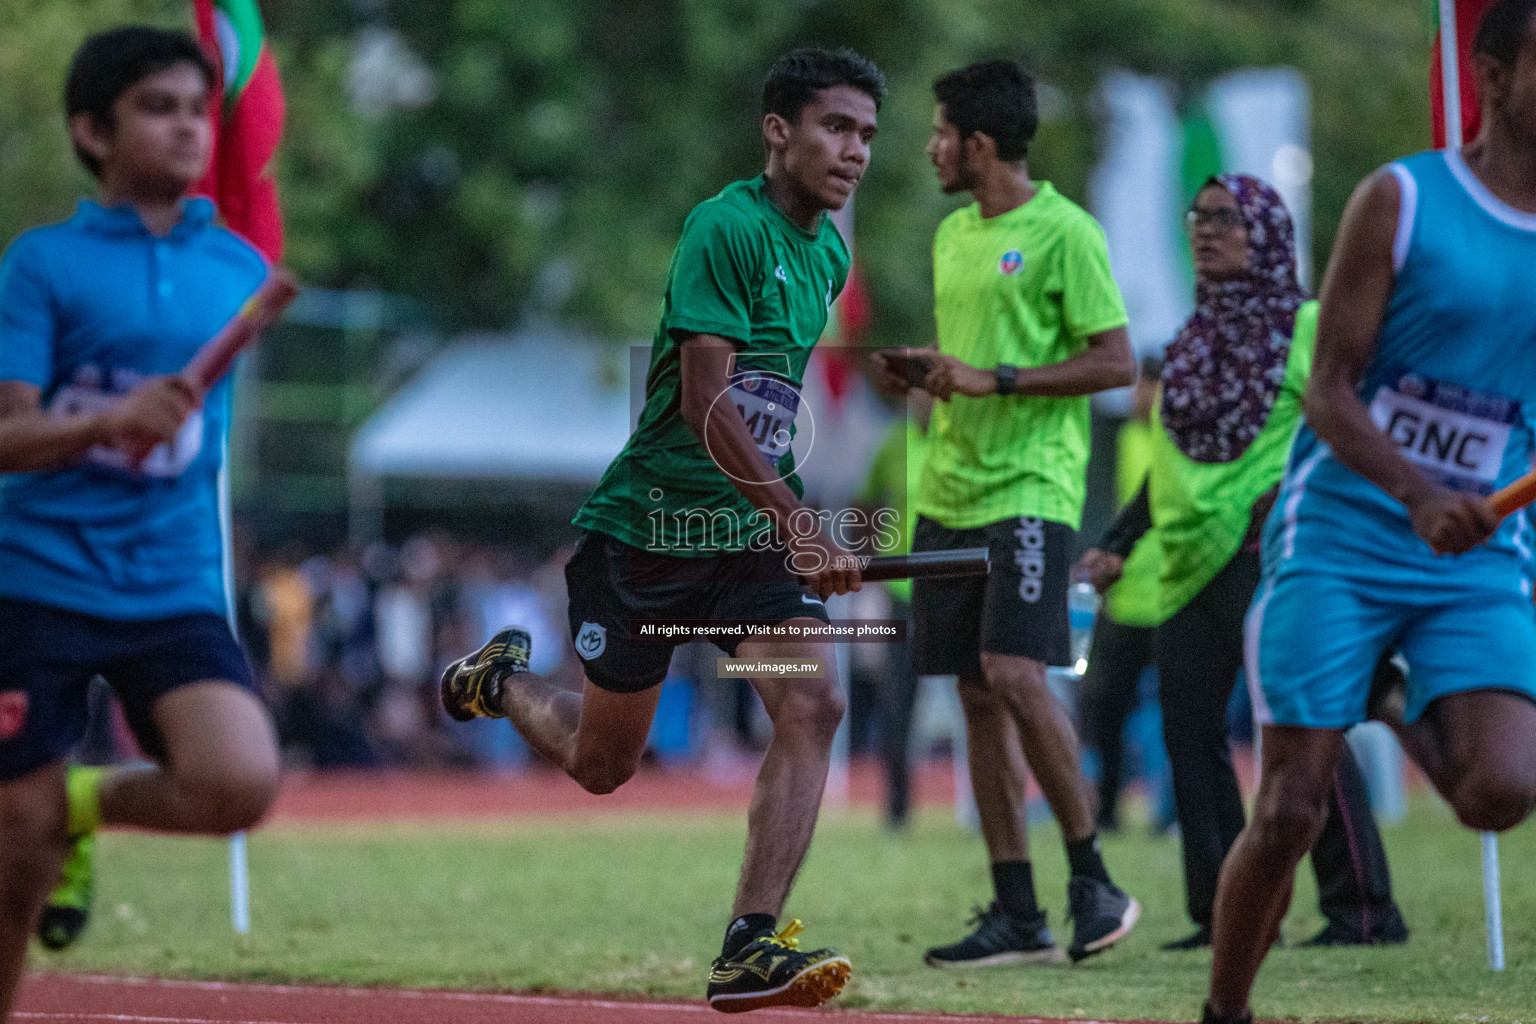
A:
{"points": [[471, 687], [69, 908]]}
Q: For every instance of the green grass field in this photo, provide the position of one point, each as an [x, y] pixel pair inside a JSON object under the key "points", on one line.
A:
{"points": [[637, 904]]}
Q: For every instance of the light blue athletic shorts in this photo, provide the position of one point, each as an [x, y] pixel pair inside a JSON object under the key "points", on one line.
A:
{"points": [[1313, 639]]}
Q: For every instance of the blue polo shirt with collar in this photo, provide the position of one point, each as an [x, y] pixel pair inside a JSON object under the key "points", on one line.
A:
{"points": [[88, 309]]}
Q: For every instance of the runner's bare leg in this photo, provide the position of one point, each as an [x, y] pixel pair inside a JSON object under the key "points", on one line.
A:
{"points": [[787, 798], [596, 736], [1256, 880], [33, 823], [220, 772], [1479, 750]]}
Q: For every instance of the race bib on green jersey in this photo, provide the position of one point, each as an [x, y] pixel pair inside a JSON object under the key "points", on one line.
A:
{"points": [[768, 405]]}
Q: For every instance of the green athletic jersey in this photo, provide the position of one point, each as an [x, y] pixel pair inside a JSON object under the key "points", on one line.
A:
{"points": [[744, 271], [1026, 287]]}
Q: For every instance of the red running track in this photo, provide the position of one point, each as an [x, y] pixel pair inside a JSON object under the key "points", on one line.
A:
{"points": [[309, 800], [325, 798], [87, 999]]}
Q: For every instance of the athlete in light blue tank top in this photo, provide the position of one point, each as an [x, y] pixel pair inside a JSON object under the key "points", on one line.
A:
{"points": [[1422, 402], [1452, 381]]}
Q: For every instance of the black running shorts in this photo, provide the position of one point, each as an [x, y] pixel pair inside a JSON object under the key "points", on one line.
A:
{"points": [[1019, 608], [48, 656], [614, 588]]}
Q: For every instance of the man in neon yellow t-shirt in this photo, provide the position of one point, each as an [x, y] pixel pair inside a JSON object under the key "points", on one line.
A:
{"points": [[1030, 323]]}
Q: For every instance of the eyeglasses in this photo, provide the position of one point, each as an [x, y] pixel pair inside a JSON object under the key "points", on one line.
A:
{"points": [[1223, 218]]}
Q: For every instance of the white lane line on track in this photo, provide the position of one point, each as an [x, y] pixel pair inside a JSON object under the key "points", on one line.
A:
{"points": [[506, 998]]}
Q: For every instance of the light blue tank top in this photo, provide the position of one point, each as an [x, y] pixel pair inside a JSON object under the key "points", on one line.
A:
{"points": [[1452, 380]]}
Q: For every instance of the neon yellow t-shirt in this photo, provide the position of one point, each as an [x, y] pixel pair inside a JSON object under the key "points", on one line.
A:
{"points": [[1136, 599], [1027, 288], [1200, 510]]}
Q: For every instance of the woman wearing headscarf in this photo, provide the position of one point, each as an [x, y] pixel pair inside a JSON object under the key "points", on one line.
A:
{"points": [[1232, 387]]}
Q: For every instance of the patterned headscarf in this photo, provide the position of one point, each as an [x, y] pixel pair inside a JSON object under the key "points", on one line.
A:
{"points": [[1225, 367]]}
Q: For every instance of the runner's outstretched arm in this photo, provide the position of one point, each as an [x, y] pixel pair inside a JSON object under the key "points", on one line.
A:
{"points": [[1354, 299]]}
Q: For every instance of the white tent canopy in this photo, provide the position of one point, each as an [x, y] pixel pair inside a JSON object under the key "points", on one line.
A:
{"points": [[550, 408], [539, 407]]}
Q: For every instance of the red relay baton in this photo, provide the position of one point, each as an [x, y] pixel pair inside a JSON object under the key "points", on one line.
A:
{"points": [[218, 354], [260, 311]]}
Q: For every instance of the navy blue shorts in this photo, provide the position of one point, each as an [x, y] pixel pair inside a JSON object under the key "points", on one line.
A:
{"points": [[47, 659]]}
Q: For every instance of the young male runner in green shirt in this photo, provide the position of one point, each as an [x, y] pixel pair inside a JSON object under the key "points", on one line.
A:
{"points": [[682, 525], [1030, 323]]}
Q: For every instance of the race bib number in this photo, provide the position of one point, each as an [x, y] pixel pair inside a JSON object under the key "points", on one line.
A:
{"points": [[768, 405], [87, 395], [1456, 435]]}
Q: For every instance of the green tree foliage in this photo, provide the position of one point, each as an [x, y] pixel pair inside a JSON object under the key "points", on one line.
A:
{"points": [[550, 168], [39, 176]]}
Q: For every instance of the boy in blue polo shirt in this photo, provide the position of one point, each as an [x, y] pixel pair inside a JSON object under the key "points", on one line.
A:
{"points": [[111, 564]]}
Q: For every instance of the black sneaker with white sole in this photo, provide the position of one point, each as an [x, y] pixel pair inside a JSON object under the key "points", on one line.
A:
{"points": [[1101, 915], [1000, 938]]}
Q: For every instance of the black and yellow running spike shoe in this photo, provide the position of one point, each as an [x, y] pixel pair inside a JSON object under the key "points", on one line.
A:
{"points": [[772, 971], [471, 686]]}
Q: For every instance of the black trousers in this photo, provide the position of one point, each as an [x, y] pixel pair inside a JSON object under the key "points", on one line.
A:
{"points": [[1199, 651], [1119, 654], [897, 691]]}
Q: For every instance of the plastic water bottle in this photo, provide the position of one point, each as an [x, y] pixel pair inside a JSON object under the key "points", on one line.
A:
{"points": [[1082, 609]]}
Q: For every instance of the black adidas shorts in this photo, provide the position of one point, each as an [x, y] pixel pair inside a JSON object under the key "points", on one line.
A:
{"points": [[1019, 608], [614, 587]]}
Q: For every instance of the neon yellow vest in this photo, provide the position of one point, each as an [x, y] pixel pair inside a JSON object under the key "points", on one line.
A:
{"points": [[1200, 510]]}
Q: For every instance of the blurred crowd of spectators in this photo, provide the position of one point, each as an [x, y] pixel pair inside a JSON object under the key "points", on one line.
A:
{"points": [[348, 644]]}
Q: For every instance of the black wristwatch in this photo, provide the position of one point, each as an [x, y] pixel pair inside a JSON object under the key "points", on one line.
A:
{"points": [[1007, 378]]}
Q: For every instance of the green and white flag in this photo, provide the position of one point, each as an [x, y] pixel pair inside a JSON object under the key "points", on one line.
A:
{"points": [[1159, 152]]}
